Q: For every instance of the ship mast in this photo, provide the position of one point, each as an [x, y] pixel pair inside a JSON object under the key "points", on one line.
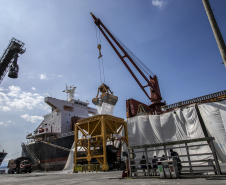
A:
{"points": [[70, 90], [216, 30]]}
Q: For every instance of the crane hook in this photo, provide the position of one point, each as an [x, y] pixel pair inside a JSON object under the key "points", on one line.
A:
{"points": [[99, 47]]}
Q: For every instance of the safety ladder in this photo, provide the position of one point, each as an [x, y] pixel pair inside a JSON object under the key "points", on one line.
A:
{"points": [[31, 154]]}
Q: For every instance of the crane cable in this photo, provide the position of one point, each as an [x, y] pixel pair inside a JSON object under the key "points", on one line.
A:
{"points": [[138, 62], [100, 58]]}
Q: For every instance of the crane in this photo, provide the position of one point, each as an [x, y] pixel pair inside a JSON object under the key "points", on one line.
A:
{"points": [[8, 61], [133, 106]]}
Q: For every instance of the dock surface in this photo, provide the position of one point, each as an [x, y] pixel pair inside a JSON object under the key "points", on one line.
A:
{"points": [[99, 178]]}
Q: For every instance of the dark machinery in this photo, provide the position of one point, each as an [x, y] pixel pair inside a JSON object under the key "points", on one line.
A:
{"points": [[8, 61], [19, 165], [133, 106]]}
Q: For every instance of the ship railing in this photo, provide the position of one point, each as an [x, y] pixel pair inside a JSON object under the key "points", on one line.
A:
{"points": [[202, 99], [56, 146], [65, 134]]}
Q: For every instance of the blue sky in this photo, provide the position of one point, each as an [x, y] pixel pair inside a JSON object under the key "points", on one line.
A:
{"points": [[172, 37]]}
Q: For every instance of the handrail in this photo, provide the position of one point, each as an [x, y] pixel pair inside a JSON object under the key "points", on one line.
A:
{"points": [[173, 143]]}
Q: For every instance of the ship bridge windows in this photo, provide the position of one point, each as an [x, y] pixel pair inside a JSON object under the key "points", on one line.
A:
{"points": [[68, 108]]}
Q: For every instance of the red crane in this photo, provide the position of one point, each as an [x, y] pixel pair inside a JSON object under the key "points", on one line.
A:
{"points": [[133, 106]]}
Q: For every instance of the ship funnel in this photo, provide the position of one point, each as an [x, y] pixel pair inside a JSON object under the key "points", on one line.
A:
{"points": [[105, 97]]}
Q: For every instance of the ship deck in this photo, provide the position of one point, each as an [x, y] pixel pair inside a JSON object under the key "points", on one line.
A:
{"points": [[41, 135]]}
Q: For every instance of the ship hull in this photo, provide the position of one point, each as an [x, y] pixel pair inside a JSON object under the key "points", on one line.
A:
{"points": [[51, 158], [2, 156]]}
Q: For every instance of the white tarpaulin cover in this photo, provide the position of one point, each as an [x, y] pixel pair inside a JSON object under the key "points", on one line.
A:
{"points": [[177, 125], [70, 161], [214, 117]]}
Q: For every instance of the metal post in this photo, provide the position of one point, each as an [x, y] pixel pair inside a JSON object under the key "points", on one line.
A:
{"points": [[215, 157], [146, 157], [189, 159], [129, 163], [165, 152], [76, 140], [216, 30], [89, 140], [103, 129]]}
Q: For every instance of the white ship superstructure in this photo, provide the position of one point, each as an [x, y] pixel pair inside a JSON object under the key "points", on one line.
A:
{"points": [[59, 120]]}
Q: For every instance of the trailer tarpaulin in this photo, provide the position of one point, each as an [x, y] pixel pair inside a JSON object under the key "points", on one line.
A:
{"points": [[181, 124], [214, 117]]}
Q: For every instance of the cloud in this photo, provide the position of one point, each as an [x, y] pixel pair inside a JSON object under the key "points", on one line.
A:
{"points": [[43, 76], [32, 119], [9, 122], [2, 123], [30, 75], [14, 91], [5, 108], [16, 99], [3, 98], [160, 3], [60, 76], [33, 88]]}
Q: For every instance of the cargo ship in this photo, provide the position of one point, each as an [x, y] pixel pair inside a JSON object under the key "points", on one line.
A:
{"points": [[49, 145], [2, 156]]}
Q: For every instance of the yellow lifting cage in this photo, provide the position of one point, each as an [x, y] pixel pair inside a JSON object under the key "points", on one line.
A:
{"points": [[97, 132]]}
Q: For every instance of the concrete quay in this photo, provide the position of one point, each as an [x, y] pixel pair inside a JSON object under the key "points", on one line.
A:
{"points": [[99, 178]]}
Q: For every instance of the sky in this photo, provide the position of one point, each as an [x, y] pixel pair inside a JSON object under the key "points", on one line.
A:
{"points": [[172, 37]]}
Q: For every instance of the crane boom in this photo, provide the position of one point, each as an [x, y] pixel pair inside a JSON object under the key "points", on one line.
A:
{"points": [[155, 95]]}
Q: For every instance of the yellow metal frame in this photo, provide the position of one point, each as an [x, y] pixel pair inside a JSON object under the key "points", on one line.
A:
{"points": [[97, 131]]}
